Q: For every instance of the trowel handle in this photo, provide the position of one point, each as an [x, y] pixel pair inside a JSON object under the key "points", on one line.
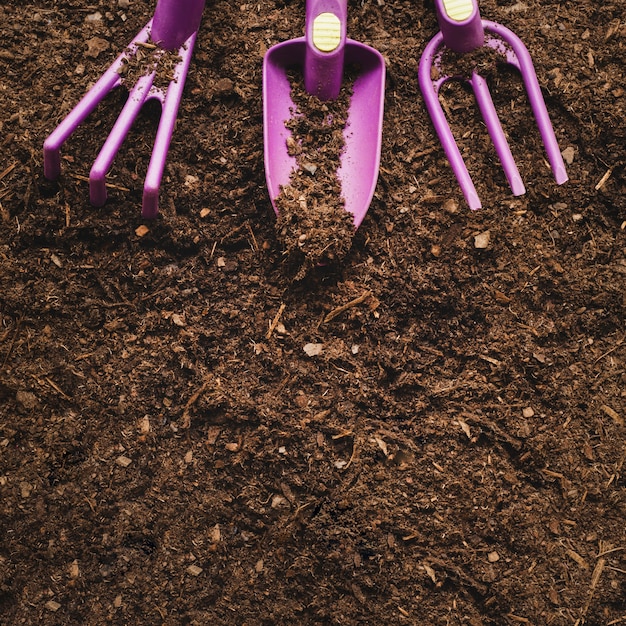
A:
{"points": [[325, 33], [175, 21], [460, 24]]}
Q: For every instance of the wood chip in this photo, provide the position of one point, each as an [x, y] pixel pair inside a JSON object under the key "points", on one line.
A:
{"points": [[576, 557], [194, 570], [142, 230], [52, 605], [123, 461], [465, 428], [431, 572], [612, 414]]}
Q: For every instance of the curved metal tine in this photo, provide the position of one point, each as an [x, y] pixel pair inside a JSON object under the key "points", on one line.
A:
{"points": [[110, 148], [430, 92], [171, 102], [492, 121], [107, 82]]}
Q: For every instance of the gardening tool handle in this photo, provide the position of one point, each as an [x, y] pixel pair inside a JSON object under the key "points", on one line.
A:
{"points": [[175, 21], [325, 34], [460, 24]]}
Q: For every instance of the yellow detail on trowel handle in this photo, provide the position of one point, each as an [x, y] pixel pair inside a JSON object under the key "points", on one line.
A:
{"points": [[458, 10], [326, 32]]}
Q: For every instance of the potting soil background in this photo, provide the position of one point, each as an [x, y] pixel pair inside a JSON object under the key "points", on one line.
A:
{"points": [[431, 431]]}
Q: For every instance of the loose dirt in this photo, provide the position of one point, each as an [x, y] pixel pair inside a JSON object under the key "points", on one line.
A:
{"points": [[430, 430]]}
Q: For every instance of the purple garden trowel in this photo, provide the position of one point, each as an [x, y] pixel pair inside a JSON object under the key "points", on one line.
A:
{"points": [[173, 28], [322, 54], [462, 31]]}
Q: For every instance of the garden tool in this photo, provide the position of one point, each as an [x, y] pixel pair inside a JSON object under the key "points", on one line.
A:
{"points": [[462, 30], [322, 54], [173, 28]]}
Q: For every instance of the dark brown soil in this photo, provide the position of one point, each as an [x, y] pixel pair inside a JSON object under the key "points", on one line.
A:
{"points": [[312, 223], [428, 432]]}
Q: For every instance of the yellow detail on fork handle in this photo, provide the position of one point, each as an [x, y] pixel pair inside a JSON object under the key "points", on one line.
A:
{"points": [[458, 10], [326, 32]]}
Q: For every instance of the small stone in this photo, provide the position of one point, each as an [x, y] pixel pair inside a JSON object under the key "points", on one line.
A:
{"points": [[492, 557], [313, 349], [52, 605], [123, 461], [482, 240], [568, 155], [142, 230], [528, 411]]}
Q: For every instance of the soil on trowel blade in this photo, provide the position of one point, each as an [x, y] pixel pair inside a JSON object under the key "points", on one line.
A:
{"points": [[313, 224]]}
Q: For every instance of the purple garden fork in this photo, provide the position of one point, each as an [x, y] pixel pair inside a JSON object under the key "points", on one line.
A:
{"points": [[173, 28], [462, 30]]}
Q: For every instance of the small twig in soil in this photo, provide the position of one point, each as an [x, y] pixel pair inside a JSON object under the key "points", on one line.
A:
{"points": [[17, 332], [57, 388], [275, 321], [8, 170], [186, 419], [595, 579], [603, 180], [344, 307], [85, 179], [255, 245], [615, 347]]}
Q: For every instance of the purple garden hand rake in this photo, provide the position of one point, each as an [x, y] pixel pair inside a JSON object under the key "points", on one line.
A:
{"points": [[463, 30], [173, 28]]}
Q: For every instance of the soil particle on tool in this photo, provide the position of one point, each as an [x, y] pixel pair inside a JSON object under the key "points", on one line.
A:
{"points": [[150, 57], [312, 223]]}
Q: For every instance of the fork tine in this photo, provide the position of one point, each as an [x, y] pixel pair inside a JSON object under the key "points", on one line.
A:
{"points": [[492, 121], [430, 93], [524, 62], [97, 175]]}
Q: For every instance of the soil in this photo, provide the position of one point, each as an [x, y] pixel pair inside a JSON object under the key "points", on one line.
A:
{"points": [[312, 223], [431, 431]]}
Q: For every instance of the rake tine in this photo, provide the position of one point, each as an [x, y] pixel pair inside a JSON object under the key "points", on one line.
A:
{"points": [[492, 121], [107, 82], [128, 114], [165, 130]]}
